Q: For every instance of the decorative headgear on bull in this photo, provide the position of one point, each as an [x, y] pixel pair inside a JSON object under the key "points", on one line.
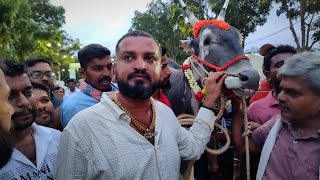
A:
{"points": [[218, 46]]}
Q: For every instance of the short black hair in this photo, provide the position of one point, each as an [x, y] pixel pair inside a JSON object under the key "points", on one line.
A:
{"points": [[163, 51], [41, 86], [274, 51], [136, 33], [35, 60], [12, 68], [90, 52], [71, 80]]}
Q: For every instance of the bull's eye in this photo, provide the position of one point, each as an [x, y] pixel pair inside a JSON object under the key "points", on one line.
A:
{"points": [[207, 41]]}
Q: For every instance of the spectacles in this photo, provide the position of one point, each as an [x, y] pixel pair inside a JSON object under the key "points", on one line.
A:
{"points": [[39, 75]]}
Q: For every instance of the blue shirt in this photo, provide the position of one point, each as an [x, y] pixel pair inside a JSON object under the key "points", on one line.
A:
{"points": [[72, 105], [55, 101]]}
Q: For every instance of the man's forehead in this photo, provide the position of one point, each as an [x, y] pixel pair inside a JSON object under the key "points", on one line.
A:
{"points": [[281, 56], [103, 61], [40, 92], [140, 43], [18, 82], [164, 59], [292, 82], [41, 66]]}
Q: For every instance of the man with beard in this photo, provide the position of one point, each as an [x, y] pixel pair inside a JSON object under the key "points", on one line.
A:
{"points": [[6, 111], [289, 143], [35, 147], [260, 111], [164, 79], [97, 71], [44, 107], [129, 135], [39, 70]]}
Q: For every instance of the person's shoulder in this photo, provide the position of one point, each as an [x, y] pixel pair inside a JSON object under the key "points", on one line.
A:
{"points": [[55, 101], [260, 102], [267, 126], [50, 133], [161, 105], [76, 98], [90, 112]]}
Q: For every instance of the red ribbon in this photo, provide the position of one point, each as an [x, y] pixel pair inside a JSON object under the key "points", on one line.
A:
{"points": [[185, 67], [199, 96]]}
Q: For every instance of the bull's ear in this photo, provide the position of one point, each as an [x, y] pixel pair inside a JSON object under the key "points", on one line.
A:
{"points": [[186, 45], [240, 36]]}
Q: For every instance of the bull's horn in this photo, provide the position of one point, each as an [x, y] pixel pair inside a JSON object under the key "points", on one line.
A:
{"points": [[222, 13], [191, 18]]}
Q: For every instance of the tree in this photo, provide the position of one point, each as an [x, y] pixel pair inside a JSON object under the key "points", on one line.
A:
{"points": [[16, 27], [305, 12], [31, 28], [159, 21], [245, 15]]}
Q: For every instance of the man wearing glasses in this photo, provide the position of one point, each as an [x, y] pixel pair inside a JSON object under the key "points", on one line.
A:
{"points": [[39, 70]]}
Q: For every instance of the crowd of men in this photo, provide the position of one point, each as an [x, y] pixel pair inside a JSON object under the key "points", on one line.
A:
{"points": [[118, 124]]}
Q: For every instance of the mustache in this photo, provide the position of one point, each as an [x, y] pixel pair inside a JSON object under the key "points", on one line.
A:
{"points": [[105, 78], [22, 113], [139, 73], [39, 113]]}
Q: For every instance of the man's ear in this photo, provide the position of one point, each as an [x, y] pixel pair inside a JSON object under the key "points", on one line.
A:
{"points": [[267, 74], [82, 73]]}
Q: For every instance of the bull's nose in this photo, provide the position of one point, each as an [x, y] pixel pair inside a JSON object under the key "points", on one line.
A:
{"points": [[250, 79]]}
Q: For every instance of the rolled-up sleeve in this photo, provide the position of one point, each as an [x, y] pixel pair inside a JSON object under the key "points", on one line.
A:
{"points": [[192, 142]]}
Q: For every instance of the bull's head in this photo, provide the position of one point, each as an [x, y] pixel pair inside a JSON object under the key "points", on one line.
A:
{"points": [[218, 43]]}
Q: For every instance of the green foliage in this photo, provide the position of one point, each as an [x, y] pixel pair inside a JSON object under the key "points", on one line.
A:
{"points": [[244, 15], [167, 21], [31, 28], [307, 12], [164, 25]]}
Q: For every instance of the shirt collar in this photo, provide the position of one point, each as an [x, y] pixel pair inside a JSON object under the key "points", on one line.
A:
{"points": [[107, 100], [294, 133], [42, 139]]}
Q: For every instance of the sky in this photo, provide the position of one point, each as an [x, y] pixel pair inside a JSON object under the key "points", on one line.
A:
{"points": [[105, 21]]}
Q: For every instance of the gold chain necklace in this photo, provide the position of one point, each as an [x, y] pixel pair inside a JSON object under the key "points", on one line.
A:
{"points": [[148, 132], [34, 143]]}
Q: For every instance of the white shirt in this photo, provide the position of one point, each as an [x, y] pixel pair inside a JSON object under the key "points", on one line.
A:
{"points": [[69, 93], [20, 167], [99, 143]]}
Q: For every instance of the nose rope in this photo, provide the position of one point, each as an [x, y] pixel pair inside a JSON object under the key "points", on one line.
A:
{"points": [[225, 66]]}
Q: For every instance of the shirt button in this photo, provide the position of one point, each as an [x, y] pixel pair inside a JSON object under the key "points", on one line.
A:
{"points": [[295, 141]]}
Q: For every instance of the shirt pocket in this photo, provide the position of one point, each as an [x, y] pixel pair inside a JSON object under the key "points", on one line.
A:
{"points": [[301, 167]]}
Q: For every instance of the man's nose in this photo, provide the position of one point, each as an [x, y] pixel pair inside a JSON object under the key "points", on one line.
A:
{"points": [[22, 101], [140, 64], [280, 96], [168, 71], [106, 72], [45, 78]]}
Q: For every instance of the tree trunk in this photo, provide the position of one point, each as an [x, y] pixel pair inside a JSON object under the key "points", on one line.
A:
{"points": [[294, 34], [302, 26]]}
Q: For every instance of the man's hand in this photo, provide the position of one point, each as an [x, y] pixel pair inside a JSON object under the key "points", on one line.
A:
{"points": [[253, 125], [213, 88]]}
